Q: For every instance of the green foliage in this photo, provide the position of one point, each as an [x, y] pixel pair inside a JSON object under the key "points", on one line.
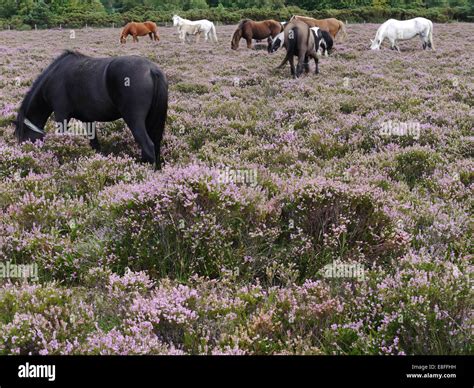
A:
{"points": [[192, 88], [74, 13], [415, 165]]}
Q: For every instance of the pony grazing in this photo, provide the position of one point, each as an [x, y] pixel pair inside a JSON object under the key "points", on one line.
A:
{"points": [[188, 27], [325, 40], [191, 31], [139, 29], [332, 25], [249, 29], [395, 30], [99, 89], [299, 41]]}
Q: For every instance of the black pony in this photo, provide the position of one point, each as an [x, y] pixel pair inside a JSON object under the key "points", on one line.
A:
{"points": [[99, 89]]}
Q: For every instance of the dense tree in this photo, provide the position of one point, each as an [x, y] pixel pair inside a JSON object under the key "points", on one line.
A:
{"points": [[42, 12]]}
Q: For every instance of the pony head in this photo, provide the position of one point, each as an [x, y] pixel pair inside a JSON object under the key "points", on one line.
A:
{"points": [[375, 43], [276, 43], [123, 39], [25, 130], [234, 44]]}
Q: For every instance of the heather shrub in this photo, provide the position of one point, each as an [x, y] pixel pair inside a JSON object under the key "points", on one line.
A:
{"points": [[20, 162], [352, 237], [181, 222], [116, 138], [88, 176], [67, 148], [42, 320], [335, 220], [414, 165], [425, 310]]}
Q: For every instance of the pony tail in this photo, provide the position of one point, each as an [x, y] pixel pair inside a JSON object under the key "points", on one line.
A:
{"points": [[342, 27], [430, 36], [292, 42], [214, 33], [156, 118]]}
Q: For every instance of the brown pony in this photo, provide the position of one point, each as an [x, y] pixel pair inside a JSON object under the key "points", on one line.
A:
{"points": [[331, 25], [139, 29], [249, 29]]}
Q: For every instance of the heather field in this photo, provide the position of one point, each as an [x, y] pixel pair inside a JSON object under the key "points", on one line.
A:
{"points": [[331, 214]]}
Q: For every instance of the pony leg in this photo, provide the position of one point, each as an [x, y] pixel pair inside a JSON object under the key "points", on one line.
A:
{"points": [[395, 46], [306, 64], [292, 66], [156, 138], [249, 43], [269, 44], [300, 65], [151, 36], [316, 62], [283, 63], [94, 141], [135, 38]]}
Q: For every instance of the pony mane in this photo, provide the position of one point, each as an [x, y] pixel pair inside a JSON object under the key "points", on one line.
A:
{"points": [[20, 125], [382, 29]]}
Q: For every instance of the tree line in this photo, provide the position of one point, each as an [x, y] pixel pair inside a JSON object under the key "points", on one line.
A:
{"points": [[25, 14]]}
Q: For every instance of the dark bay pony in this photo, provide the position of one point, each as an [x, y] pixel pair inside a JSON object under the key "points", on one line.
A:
{"points": [[300, 42], [249, 29], [332, 25], [99, 89], [139, 29]]}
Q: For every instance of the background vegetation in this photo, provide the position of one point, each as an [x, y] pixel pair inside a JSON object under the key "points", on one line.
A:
{"points": [[25, 14]]}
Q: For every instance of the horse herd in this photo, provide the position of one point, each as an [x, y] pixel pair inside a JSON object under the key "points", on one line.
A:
{"points": [[303, 37], [75, 86]]}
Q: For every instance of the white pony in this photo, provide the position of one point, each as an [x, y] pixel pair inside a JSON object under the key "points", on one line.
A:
{"points": [[206, 28], [188, 30], [395, 30]]}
